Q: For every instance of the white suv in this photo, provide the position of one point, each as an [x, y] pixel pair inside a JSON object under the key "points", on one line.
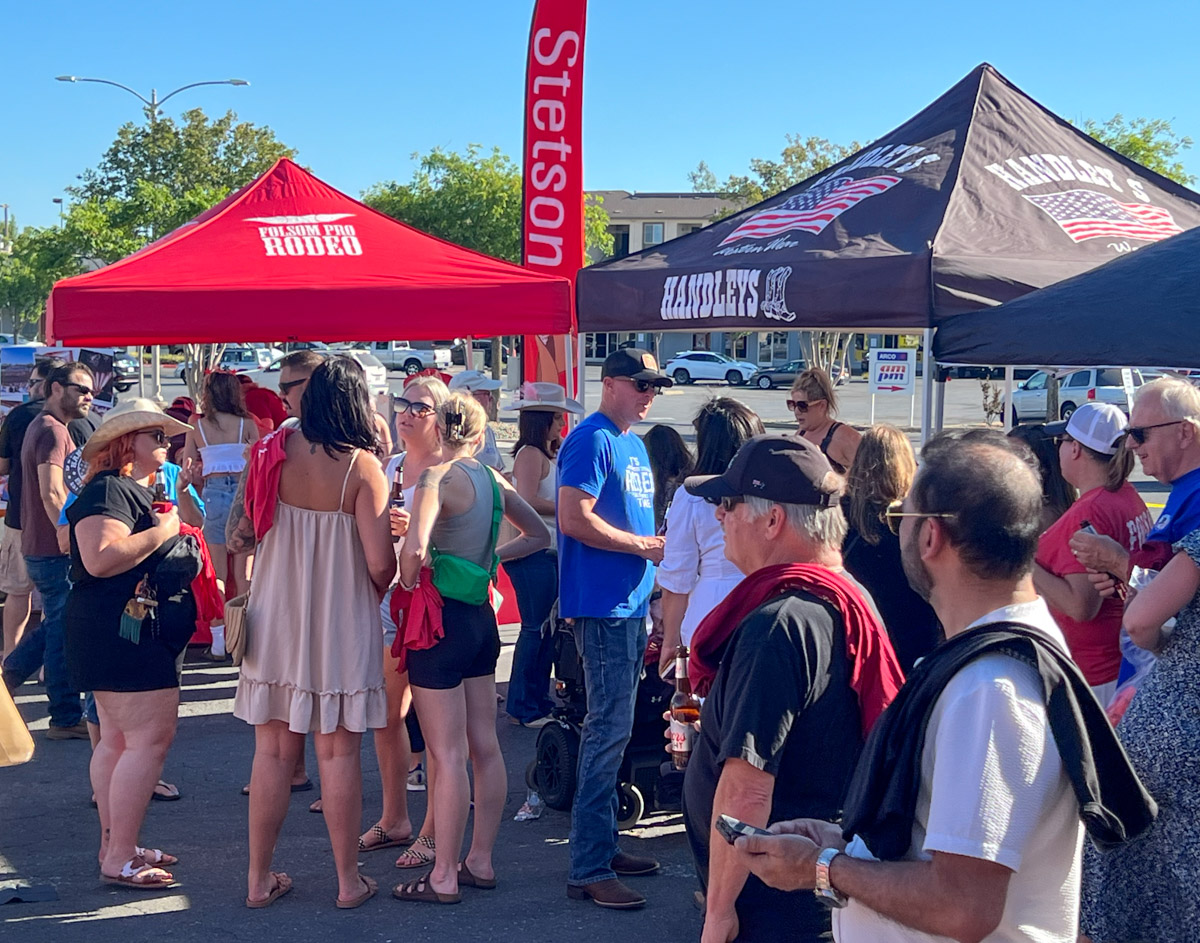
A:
{"points": [[1074, 389], [693, 365]]}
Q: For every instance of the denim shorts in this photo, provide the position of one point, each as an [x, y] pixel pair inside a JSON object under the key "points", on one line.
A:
{"points": [[219, 492]]}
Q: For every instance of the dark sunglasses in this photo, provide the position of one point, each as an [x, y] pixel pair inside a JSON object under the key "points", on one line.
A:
{"points": [[642, 386], [286, 388], [797, 404], [729, 503], [84, 390], [1060, 439], [160, 437], [895, 514], [1138, 433], [418, 410]]}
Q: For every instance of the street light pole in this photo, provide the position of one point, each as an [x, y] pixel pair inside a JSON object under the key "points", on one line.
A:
{"points": [[153, 103]]}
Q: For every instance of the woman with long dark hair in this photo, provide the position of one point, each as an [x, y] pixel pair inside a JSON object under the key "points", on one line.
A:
{"points": [[1057, 493], [543, 408], [670, 463], [695, 575], [313, 661], [880, 475]]}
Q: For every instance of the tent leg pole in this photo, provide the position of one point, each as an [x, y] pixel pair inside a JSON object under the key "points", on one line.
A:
{"points": [[141, 354], [1008, 390], [156, 366], [939, 408], [569, 352], [581, 381], [927, 372]]}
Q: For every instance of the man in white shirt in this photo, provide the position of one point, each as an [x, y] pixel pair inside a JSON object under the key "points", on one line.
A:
{"points": [[995, 834]]}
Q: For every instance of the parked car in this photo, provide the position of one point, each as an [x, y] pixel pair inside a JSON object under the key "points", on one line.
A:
{"points": [[377, 378], [783, 374], [693, 365], [1074, 389], [125, 371], [400, 355], [239, 359]]}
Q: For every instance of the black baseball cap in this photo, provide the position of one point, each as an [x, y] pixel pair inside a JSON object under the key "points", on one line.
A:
{"points": [[635, 363], [785, 469]]}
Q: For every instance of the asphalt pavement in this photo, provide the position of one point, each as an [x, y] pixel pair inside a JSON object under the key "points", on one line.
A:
{"points": [[49, 836]]}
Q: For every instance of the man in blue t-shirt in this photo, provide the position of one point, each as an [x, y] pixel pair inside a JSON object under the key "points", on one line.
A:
{"points": [[607, 551]]}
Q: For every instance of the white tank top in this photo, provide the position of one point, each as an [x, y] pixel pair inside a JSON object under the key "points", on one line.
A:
{"points": [[547, 490], [225, 458]]}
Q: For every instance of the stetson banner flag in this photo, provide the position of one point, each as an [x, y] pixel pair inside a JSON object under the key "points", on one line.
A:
{"points": [[552, 214]]}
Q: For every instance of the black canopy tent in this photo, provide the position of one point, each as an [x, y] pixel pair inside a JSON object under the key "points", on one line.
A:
{"points": [[1139, 310], [980, 198]]}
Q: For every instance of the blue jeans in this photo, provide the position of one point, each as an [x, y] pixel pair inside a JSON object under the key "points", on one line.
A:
{"points": [[44, 645], [535, 581], [612, 663]]}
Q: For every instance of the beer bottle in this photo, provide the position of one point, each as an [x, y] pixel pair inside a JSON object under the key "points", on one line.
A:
{"points": [[397, 498], [160, 501], [685, 711]]}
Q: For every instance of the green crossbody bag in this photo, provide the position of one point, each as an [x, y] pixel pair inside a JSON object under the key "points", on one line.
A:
{"points": [[456, 578]]}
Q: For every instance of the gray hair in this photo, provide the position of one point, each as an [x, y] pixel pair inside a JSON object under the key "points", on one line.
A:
{"points": [[1178, 398], [825, 527]]}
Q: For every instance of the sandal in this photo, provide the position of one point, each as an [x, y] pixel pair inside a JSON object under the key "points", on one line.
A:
{"points": [[156, 857], [283, 884], [317, 807], [382, 839], [467, 879], [422, 891], [170, 792], [371, 889], [417, 856], [139, 876]]}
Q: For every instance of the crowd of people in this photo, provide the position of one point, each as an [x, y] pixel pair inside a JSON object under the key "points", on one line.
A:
{"points": [[905, 665]]}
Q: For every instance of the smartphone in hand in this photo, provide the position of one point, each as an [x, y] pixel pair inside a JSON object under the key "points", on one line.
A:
{"points": [[730, 828]]}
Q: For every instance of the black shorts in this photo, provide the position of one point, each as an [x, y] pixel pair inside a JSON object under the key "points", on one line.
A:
{"points": [[469, 649]]}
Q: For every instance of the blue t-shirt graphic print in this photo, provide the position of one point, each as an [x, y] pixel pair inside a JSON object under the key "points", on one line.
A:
{"points": [[612, 467]]}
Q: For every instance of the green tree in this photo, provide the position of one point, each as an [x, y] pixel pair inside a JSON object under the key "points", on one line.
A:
{"points": [[799, 160], [152, 179], [1152, 143], [473, 199]]}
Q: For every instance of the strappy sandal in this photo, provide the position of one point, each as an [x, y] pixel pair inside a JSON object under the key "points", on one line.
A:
{"points": [[382, 839], [156, 857], [139, 876], [468, 879], [417, 856], [366, 895], [422, 892], [283, 884]]}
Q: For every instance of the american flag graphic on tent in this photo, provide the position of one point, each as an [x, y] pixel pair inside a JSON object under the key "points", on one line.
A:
{"points": [[812, 210], [1085, 214]]}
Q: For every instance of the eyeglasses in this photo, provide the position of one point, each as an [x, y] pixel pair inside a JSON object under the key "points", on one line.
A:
{"points": [[642, 386], [418, 410], [1138, 433], [1060, 439], [797, 405], [729, 503], [894, 514], [286, 388], [160, 437], [84, 390]]}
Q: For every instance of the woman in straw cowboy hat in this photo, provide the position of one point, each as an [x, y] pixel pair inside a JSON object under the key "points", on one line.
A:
{"points": [[126, 625], [543, 408]]}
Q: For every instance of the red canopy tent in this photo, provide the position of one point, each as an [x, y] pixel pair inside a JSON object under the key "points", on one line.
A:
{"points": [[288, 257]]}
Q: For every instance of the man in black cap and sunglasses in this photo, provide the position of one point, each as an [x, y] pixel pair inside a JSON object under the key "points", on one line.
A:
{"points": [[795, 665], [607, 550]]}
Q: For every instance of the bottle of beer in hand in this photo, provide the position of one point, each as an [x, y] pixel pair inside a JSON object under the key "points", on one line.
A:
{"points": [[685, 711], [397, 498]]}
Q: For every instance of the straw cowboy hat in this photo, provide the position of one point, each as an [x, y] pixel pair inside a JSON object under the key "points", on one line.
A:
{"points": [[133, 415], [545, 397]]}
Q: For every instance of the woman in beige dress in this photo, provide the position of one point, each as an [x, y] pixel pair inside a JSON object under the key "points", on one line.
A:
{"points": [[313, 660]]}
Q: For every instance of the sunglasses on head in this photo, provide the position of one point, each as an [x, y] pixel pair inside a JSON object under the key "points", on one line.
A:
{"points": [[83, 390], [418, 410], [642, 386], [159, 437], [1138, 433], [895, 514], [797, 405]]}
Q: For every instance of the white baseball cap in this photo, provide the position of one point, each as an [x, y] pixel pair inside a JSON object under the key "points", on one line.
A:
{"points": [[1099, 426], [472, 380]]}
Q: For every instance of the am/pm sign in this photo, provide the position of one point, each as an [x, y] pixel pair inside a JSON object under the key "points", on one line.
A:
{"points": [[892, 370]]}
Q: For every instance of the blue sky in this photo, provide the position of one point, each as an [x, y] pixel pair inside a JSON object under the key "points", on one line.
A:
{"points": [[358, 87]]}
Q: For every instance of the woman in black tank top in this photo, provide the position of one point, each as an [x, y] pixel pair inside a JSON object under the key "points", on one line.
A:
{"points": [[814, 404]]}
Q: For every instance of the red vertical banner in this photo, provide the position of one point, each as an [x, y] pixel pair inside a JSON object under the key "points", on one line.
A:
{"points": [[552, 235]]}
